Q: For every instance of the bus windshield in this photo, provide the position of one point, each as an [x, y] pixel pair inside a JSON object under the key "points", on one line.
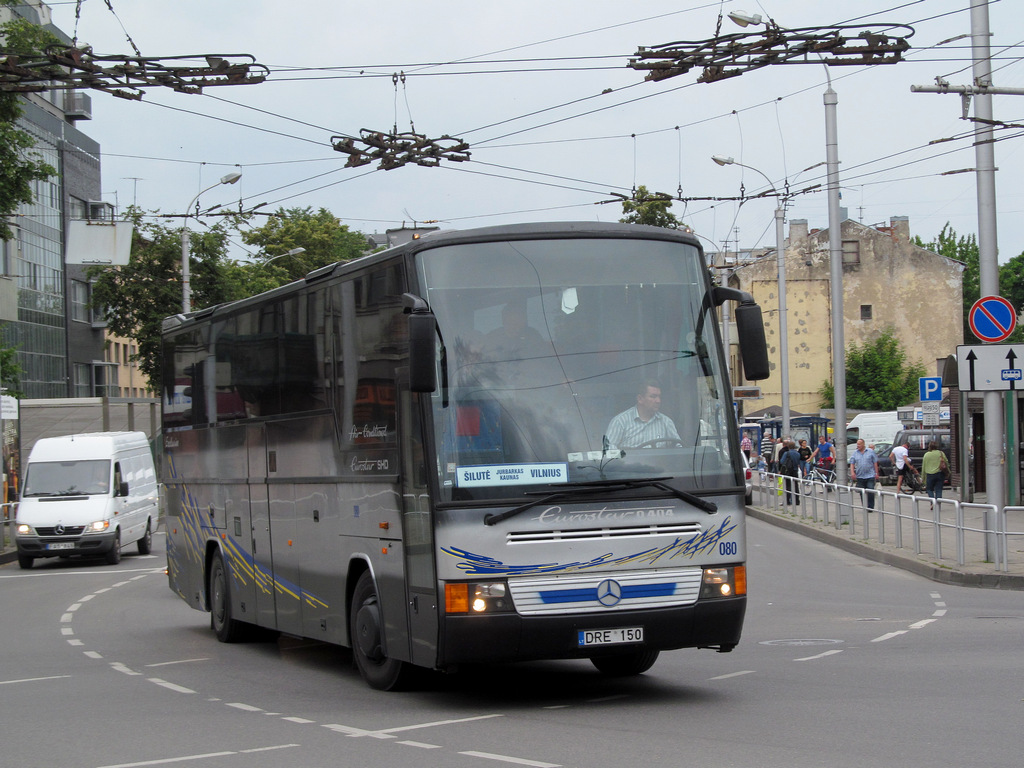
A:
{"points": [[572, 361]]}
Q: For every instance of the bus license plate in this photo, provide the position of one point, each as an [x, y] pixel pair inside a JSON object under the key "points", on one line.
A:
{"points": [[61, 545], [589, 637]]}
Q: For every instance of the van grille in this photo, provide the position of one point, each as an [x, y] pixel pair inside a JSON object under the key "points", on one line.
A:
{"points": [[68, 530]]}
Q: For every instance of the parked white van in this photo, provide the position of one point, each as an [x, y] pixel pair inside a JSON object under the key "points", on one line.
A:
{"points": [[874, 428], [87, 494]]}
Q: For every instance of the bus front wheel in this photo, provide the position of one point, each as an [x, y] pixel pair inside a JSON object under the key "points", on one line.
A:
{"points": [[625, 664], [227, 629], [366, 629]]}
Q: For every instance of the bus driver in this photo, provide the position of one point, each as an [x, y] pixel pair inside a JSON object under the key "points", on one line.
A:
{"points": [[644, 423]]}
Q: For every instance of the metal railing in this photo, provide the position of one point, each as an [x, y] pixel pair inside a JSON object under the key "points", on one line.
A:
{"points": [[944, 529]]}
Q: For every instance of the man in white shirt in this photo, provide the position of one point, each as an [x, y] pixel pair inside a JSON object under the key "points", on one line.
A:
{"points": [[643, 423], [901, 460]]}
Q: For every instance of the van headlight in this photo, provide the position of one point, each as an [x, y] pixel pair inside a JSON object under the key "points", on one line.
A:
{"points": [[97, 527], [730, 581], [24, 529], [477, 598]]}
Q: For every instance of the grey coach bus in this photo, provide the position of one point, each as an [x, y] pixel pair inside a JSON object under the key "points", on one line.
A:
{"points": [[409, 454]]}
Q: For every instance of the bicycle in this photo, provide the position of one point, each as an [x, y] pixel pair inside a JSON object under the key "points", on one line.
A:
{"points": [[912, 483], [819, 473]]}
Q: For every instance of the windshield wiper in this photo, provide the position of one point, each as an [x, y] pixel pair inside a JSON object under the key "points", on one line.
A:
{"points": [[596, 486]]}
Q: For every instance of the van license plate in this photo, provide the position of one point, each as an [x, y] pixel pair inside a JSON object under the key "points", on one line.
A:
{"points": [[61, 545], [589, 637]]}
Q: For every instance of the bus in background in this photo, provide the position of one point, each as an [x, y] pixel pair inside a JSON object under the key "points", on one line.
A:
{"points": [[425, 468]]}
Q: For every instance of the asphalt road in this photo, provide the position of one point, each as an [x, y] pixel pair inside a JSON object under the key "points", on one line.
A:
{"points": [[844, 662]]}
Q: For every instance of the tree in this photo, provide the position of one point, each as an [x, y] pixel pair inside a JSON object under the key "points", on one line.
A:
{"points": [[10, 369], [19, 165], [878, 376], [137, 297], [647, 208], [323, 237]]}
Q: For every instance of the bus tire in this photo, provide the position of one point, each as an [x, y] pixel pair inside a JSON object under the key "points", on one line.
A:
{"points": [[366, 635], [227, 629], [113, 556], [625, 664], [146, 542]]}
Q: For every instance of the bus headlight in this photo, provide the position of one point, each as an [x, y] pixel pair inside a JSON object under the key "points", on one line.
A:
{"points": [[729, 581], [477, 598]]}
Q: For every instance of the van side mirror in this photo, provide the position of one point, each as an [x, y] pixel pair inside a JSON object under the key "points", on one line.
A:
{"points": [[122, 488]]}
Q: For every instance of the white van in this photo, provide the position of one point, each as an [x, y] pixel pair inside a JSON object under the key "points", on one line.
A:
{"points": [[874, 428], [87, 494]]}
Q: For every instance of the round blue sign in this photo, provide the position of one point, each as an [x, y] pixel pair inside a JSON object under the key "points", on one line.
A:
{"points": [[992, 318]]}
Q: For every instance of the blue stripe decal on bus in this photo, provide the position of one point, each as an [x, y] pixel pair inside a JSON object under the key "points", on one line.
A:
{"points": [[635, 592]]}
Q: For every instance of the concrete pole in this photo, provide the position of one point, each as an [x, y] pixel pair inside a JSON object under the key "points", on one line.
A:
{"points": [[835, 246], [780, 248], [186, 285], [988, 261]]}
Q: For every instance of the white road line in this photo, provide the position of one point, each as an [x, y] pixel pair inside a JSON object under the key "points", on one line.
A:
{"points": [[119, 667], [432, 725], [940, 604], [180, 661], [936, 595], [507, 759], [733, 674], [244, 707], [350, 731], [299, 720], [419, 744], [33, 679], [556, 706], [74, 607], [93, 654], [167, 760], [86, 599], [265, 749], [170, 686], [820, 655], [608, 698], [940, 612], [67, 631], [66, 618], [889, 636], [75, 642], [922, 623]]}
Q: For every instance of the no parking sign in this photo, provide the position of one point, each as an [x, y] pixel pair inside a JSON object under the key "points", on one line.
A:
{"points": [[992, 318]]}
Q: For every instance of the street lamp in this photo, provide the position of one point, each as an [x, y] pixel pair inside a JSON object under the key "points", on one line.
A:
{"points": [[780, 248], [186, 286]]}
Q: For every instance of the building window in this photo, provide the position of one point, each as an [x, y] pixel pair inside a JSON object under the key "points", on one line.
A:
{"points": [[865, 311], [80, 301], [851, 252]]}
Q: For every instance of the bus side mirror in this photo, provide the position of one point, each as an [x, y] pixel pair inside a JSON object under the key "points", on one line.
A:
{"points": [[753, 347], [422, 345]]}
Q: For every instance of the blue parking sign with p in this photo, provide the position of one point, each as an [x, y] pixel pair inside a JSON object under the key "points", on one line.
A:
{"points": [[931, 388]]}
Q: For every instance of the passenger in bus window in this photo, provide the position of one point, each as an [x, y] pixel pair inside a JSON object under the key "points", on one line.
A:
{"points": [[515, 339], [643, 425]]}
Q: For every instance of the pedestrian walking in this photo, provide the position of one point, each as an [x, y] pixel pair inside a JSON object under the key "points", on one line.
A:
{"points": [[935, 467], [864, 471], [789, 467]]}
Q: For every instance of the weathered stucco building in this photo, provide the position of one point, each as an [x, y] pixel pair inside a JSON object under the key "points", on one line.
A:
{"points": [[888, 282]]}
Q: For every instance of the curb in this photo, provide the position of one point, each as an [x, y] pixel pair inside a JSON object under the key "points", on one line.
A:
{"points": [[942, 575]]}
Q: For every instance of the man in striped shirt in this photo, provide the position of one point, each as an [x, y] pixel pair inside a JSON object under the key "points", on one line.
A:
{"points": [[643, 422]]}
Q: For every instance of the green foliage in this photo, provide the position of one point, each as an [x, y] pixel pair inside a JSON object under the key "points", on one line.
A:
{"points": [[19, 165], [645, 208], [137, 297], [325, 239], [10, 369], [878, 376]]}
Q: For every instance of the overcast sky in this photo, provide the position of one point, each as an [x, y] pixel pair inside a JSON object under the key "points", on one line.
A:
{"points": [[556, 120]]}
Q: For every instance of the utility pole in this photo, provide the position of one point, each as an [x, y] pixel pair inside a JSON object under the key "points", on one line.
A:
{"points": [[988, 253]]}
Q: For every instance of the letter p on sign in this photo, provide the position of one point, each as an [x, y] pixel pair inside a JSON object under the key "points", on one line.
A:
{"points": [[931, 388]]}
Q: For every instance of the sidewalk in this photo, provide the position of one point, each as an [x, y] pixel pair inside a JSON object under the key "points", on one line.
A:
{"points": [[875, 536]]}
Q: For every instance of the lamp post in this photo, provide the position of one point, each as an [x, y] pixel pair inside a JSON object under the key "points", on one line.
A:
{"points": [[780, 249], [186, 285]]}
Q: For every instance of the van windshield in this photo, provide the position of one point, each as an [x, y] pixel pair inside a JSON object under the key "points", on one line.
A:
{"points": [[68, 478]]}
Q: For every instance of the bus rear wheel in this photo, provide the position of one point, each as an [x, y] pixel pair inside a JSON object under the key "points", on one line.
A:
{"points": [[625, 664], [227, 629], [366, 630]]}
